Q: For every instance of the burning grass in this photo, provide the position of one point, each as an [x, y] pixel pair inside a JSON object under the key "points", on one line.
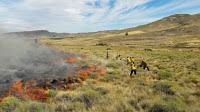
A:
{"points": [[27, 90], [86, 71], [39, 89], [71, 60]]}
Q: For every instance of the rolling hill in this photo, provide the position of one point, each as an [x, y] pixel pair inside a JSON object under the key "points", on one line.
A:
{"points": [[176, 31], [179, 24], [173, 25]]}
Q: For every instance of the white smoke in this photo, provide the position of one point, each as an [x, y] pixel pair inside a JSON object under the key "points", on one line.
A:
{"points": [[23, 59]]}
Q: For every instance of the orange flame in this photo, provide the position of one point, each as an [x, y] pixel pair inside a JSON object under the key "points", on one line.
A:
{"points": [[16, 89], [27, 90], [35, 93], [84, 73], [71, 60]]}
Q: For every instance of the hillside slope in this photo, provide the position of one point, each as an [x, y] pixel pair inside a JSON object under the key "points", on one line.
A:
{"points": [[174, 21], [177, 31], [178, 24]]}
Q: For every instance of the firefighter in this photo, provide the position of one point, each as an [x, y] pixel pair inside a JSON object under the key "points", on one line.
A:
{"points": [[144, 65], [129, 60], [132, 59], [133, 69]]}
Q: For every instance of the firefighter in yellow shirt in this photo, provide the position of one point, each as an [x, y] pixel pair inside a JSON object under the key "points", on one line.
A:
{"points": [[129, 60], [133, 69], [132, 59]]}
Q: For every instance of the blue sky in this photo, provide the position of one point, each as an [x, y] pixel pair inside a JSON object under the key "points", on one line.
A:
{"points": [[87, 15]]}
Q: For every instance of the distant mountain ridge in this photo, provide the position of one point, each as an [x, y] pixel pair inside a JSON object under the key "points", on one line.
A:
{"points": [[37, 34], [178, 24]]}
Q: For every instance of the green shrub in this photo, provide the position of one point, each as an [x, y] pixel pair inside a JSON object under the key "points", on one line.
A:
{"points": [[93, 76], [72, 107], [175, 103], [161, 108], [123, 107], [163, 87], [114, 72], [52, 93], [194, 79], [164, 74], [139, 103], [9, 104], [108, 78], [158, 108], [113, 65], [197, 93], [134, 103], [67, 97], [102, 91], [32, 106], [35, 107], [170, 104], [89, 97], [63, 98], [193, 65], [62, 108]]}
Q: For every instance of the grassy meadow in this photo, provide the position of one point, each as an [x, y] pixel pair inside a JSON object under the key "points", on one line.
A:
{"points": [[171, 85]]}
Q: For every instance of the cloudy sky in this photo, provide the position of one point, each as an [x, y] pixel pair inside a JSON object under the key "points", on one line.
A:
{"points": [[87, 15]]}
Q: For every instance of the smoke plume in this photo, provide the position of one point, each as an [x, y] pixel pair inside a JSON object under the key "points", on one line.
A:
{"points": [[25, 59]]}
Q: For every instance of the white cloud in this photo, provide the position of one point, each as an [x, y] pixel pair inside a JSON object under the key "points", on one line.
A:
{"points": [[13, 24], [2, 9], [84, 15]]}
